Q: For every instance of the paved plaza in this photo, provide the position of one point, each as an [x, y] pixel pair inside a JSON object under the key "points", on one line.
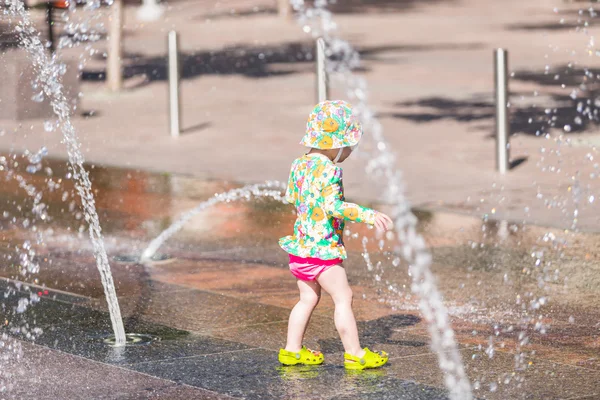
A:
{"points": [[514, 256], [217, 300]]}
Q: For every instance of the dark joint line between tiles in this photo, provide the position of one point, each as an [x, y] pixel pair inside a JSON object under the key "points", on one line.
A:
{"points": [[46, 288], [207, 332], [124, 368], [191, 357]]}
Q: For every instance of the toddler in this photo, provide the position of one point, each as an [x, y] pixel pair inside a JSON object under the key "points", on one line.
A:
{"points": [[316, 249]]}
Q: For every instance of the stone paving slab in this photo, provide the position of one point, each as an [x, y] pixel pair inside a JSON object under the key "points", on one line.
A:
{"points": [[68, 327], [48, 374], [255, 374], [224, 366], [205, 312], [201, 291], [497, 378]]}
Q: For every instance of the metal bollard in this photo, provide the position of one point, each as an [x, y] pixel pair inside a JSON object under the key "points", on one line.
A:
{"points": [[322, 79], [502, 122], [114, 61], [174, 78]]}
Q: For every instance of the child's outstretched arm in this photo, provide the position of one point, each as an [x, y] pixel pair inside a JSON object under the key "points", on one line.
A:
{"points": [[334, 205]]}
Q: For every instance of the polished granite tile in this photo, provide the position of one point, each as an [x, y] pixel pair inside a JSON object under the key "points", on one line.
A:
{"points": [[496, 378], [175, 392], [92, 347], [322, 335], [563, 343], [22, 290], [205, 312], [273, 335], [81, 331], [256, 374], [189, 310], [264, 284], [75, 318], [392, 389], [49, 374]]}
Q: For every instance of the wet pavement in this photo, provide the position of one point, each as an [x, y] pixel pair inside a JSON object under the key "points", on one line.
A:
{"points": [[217, 300]]}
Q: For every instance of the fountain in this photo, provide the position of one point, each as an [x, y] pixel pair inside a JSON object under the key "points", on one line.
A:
{"points": [[270, 189], [49, 71], [318, 21]]}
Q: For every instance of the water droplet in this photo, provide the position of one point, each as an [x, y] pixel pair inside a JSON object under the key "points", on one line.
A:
{"points": [[38, 97], [48, 126]]}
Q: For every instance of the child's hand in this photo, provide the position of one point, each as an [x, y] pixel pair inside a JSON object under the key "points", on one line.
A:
{"points": [[383, 222]]}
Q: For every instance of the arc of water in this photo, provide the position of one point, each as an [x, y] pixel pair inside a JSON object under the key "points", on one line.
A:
{"points": [[318, 21], [49, 73], [271, 189]]}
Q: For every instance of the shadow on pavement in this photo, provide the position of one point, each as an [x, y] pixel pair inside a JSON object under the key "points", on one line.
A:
{"points": [[574, 114], [563, 21], [251, 61], [377, 332], [337, 7], [380, 6]]}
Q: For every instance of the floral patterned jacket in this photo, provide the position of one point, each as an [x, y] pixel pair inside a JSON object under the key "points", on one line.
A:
{"points": [[315, 188]]}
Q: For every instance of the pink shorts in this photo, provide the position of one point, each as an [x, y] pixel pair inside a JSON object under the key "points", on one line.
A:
{"points": [[307, 269]]}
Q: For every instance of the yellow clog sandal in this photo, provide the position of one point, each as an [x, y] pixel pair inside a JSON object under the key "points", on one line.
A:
{"points": [[369, 360], [304, 356]]}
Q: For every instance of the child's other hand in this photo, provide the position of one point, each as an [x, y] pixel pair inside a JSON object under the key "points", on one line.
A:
{"points": [[383, 222]]}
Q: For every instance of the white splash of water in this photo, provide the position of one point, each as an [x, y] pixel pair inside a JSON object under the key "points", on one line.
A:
{"points": [[50, 72], [272, 189], [343, 59]]}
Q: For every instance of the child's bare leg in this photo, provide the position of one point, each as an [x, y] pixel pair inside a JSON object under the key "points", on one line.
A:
{"points": [[310, 294], [335, 282]]}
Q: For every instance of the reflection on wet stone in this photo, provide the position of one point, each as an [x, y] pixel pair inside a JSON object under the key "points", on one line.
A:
{"points": [[218, 309]]}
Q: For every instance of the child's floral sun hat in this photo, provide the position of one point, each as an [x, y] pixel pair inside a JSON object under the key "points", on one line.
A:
{"points": [[332, 125]]}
